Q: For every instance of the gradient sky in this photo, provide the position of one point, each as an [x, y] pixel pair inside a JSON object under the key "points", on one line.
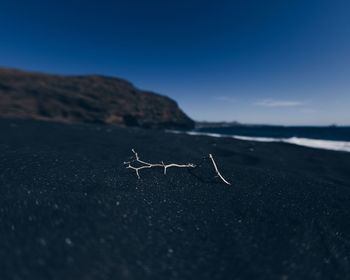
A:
{"points": [[277, 62]]}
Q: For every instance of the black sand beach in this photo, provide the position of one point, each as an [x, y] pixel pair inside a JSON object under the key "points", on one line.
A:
{"points": [[69, 209]]}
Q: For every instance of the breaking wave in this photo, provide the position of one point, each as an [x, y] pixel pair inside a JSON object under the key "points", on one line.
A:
{"points": [[306, 142]]}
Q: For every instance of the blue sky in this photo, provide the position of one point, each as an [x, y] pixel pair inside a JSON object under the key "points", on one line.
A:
{"points": [[277, 62]]}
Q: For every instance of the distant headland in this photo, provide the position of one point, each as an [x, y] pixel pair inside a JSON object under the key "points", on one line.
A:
{"points": [[85, 99]]}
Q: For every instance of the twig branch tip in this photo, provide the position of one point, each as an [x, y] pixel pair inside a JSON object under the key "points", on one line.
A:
{"points": [[217, 170]]}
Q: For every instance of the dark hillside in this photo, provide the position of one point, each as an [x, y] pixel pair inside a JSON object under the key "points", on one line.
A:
{"points": [[85, 99]]}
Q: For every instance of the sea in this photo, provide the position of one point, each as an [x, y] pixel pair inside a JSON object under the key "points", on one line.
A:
{"points": [[328, 137]]}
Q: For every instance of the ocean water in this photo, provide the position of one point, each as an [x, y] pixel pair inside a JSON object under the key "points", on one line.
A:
{"points": [[331, 138]]}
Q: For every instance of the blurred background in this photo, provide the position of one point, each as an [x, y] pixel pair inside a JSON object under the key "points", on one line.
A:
{"points": [[247, 62], [276, 62]]}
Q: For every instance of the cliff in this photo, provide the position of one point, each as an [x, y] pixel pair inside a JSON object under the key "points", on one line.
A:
{"points": [[85, 99]]}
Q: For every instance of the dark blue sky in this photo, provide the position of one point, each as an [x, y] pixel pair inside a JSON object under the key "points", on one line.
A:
{"points": [[280, 62]]}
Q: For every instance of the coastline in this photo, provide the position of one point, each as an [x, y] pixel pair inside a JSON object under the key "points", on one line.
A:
{"points": [[342, 146]]}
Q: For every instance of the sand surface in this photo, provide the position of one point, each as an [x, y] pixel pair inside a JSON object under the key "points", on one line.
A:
{"points": [[70, 210]]}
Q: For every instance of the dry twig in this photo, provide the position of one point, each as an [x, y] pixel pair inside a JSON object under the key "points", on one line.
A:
{"points": [[217, 170], [145, 165], [177, 165], [150, 165]]}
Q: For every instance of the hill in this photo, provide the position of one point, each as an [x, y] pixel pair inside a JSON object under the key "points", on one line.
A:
{"points": [[85, 99]]}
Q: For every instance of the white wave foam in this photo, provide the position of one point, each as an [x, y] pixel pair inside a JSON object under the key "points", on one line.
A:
{"points": [[306, 142], [320, 144]]}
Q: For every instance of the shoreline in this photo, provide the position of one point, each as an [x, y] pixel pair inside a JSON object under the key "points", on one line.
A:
{"points": [[334, 145]]}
